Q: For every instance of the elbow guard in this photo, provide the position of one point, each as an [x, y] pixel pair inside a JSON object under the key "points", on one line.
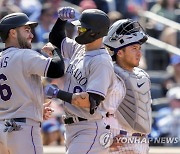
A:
{"points": [[56, 68], [95, 100]]}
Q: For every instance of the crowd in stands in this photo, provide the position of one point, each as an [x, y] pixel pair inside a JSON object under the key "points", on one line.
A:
{"points": [[166, 121]]}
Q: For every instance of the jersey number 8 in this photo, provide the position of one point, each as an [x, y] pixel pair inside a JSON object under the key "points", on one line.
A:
{"points": [[77, 89]]}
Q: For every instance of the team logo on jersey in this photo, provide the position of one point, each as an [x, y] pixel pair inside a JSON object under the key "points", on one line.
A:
{"points": [[140, 85], [106, 140], [77, 74]]}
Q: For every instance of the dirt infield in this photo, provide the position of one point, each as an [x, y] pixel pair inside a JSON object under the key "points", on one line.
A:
{"points": [[153, 150]]}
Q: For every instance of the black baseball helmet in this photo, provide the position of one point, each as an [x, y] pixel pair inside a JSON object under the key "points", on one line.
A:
{"points": [[97, 24], [12, 21]]}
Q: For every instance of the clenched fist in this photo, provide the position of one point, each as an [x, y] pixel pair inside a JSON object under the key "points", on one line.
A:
{"points": [[66, 13]]}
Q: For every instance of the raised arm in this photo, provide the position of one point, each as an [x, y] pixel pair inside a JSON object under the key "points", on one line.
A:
{"points": [[57, 33]]}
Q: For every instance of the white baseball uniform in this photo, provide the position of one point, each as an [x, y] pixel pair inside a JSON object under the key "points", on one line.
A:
{"points": [[21, 96], [90, 71], [119, 125]]}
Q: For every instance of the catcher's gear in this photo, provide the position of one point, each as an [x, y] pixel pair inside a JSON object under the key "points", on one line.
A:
{"points": [[11, 125], [12, 21], [136, 106], [96, 23], [51, 91], [123, 33]]}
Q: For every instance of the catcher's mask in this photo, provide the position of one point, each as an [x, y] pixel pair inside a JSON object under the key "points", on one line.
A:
{"points": [[123, 33], [92, 25], [12, 21]]}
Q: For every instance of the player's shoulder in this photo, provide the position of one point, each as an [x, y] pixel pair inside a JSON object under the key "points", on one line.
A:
{"points": [[30, 51], [68, 42], [140, 70], [101, 54], [103, 58]]}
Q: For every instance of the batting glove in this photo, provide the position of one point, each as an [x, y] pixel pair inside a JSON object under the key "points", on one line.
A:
{"points": [[51, 91], [66, 13]]}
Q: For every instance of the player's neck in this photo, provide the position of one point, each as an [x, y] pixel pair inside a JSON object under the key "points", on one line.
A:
{"points": [[10, 44], [124, 66], [97, 44]]}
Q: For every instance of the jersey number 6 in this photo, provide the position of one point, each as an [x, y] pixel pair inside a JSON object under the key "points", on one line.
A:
{"points": [[4, 87]]}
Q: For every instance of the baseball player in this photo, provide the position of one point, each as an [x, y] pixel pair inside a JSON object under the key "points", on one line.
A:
{"points": [[21, 92], [89, 68], [133, 117]]}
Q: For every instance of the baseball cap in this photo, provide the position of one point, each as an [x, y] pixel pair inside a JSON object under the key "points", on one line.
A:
{"points": [[175, 59], [173, 93]]}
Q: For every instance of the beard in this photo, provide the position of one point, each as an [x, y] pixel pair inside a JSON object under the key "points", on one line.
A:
{"points": [[23, 43]]}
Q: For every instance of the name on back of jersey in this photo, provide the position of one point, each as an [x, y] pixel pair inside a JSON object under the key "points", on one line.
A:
{"points": [[4, 62]]}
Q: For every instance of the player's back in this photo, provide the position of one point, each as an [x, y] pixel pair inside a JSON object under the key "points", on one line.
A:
{"points": [[19, 89]]}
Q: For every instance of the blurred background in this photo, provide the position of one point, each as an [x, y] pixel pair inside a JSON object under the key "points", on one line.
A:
{"points": [[161, 57]]}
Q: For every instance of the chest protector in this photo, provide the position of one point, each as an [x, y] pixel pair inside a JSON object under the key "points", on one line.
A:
{"points": [[136, 106]]}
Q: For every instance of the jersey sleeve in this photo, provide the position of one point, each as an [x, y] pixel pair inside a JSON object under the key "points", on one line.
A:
{"points": [[68, 47], [35, 63], [100, 77]]}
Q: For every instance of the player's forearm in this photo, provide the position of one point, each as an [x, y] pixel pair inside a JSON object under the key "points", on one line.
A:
{"points": [[65, 96], [83, 99], [57, 33], [77, 99]]}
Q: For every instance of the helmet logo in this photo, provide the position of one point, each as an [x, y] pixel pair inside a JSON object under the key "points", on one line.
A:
{"points": [[114, 38], [128, 37], [121, 41]]}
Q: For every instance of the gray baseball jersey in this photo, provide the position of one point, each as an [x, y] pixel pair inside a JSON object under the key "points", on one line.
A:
{"points": [[90, 71], [21, 91]]}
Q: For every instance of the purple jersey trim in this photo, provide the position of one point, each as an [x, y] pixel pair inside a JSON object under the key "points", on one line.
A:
{"points": [[47, 66], [96, 92], [93, 139], [95, 55], [33, 140]]}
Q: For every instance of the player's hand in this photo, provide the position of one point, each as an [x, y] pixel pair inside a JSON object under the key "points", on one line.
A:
{"points": [[51, 91], [3, 148], [66, 13], [116, 143], [81, 100], [47, 112], [48, 49]]}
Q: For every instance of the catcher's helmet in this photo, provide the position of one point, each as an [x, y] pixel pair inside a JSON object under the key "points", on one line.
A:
{"points": [[123, 33], [13, 20], [97, 24]]}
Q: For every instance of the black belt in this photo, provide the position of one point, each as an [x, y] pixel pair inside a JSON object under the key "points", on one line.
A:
{"points": [[19, 120], [70, 120], [22, 120]]}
